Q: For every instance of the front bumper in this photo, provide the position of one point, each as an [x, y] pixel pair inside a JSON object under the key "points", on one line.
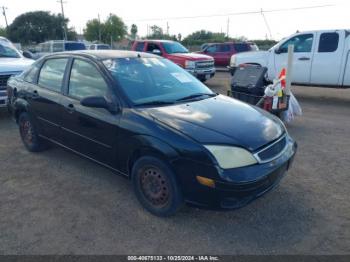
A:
{"points": [[236, 187], [202, 73]]}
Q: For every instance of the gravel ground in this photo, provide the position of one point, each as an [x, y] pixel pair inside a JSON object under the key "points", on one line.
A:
{"points": [[58, 203]]}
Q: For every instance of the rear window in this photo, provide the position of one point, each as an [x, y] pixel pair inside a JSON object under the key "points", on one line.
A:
{"points": [[74, 46], [242, 47], [328, 42], [140, 46]]}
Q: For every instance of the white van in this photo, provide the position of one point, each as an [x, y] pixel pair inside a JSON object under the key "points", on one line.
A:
{"points": [[12, 62]]}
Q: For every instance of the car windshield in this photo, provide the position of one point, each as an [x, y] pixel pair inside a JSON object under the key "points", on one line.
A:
{"points": [[155, 81], [174, 47], [8, 50]]}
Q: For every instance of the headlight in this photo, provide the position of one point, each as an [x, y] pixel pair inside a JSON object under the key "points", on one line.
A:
{"points": [[231, 157], [190, 64], [233, 61]]}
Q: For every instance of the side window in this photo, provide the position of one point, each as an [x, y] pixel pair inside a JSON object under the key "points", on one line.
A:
{"points": [[225, 48], [46, 47], [241, 47], [302, 44], [57, 47], [212, 49], [85, 80], [328, 42], [30, 77], [52, 73], [140, 46], [152, 46]]}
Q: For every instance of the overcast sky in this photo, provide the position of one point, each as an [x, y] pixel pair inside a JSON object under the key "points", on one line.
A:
{"points": [[250, 25]]}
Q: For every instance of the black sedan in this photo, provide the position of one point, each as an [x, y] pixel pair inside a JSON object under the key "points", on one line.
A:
{"points": [[149, 120]]}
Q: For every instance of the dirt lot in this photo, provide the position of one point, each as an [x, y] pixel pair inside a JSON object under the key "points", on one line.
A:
{"points": [[58, 203]]}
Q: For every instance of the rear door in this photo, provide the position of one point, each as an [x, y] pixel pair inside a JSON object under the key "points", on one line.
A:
{"points": [[45, 96], [89, 131], [327, 61], [304, 44], [224, 54]]}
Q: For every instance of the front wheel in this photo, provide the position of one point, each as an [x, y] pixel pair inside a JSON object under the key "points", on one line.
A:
{"points": [[156, 187], [29, 135]]}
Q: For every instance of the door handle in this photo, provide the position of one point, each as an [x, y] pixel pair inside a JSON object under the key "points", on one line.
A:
{"points": [[70, 108], [304, 58]]}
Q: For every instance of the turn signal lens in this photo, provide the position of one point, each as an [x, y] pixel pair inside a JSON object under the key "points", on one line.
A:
{"points": [[206, 181]]}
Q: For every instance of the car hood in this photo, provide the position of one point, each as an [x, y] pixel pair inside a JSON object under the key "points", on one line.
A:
{"points": [[14, 64], [191, 56], [221, 120]]}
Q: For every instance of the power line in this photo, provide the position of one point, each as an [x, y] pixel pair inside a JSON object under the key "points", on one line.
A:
{"points": [[232, 14]]}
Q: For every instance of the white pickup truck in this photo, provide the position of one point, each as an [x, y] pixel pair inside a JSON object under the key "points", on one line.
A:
{"points": [[12, 62], [320, 58]]}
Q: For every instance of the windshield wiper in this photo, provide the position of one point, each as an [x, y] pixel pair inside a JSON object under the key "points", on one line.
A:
{"points": [[195, 96], [155, 103]]}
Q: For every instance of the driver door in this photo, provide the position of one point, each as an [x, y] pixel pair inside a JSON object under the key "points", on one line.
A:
{"points": [[302, 59], [92, 132]]}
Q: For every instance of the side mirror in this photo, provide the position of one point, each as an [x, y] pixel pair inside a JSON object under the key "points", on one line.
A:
{"points": [[277, 51], [156, 52], [98, 102], [27, 54]]}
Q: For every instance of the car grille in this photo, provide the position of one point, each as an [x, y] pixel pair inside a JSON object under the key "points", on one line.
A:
{"points": [[3, 81], [205, 64], [272, 151], [3, 88]]}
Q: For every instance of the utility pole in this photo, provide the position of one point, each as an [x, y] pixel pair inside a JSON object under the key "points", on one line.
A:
{"points": [[4, 13], [64, 22], [228, 27], [99, 28], [266, 23], [167, 28]]}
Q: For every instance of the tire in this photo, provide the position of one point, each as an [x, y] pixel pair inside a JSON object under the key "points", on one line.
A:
{"points": [[155, 186], [29, 135]]}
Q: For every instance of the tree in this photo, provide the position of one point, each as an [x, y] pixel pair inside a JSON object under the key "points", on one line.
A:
{"points": [[203, 36], [38, 26], [157, 33], [3, 32], [133, 31], [113, 29], [93, 29]]}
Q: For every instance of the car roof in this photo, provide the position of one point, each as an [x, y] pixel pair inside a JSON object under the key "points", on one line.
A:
{"points": [[105, 54], [156, 40]]}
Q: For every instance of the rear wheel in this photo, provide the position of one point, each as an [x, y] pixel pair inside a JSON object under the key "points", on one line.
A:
{"points": [[156, 187], [29, 135]]}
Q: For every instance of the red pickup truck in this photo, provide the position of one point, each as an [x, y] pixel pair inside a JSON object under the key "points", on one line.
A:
{"points": [[199, 65]]}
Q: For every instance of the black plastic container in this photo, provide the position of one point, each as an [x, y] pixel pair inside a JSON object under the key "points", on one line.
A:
{"points": [[250, 80]]}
